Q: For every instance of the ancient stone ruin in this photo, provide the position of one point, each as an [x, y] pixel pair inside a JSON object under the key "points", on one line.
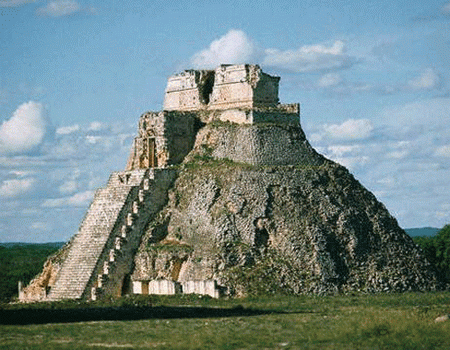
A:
{"points": [[223, 194]]}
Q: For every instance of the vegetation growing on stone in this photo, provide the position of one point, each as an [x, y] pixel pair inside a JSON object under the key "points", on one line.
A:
{"points": [[170, 246], [291, 229]]}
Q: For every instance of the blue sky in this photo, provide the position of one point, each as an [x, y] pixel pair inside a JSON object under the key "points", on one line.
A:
{"points": [[372, 78]]}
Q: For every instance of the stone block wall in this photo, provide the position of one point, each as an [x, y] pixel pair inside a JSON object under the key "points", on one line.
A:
{"points": [[282, 114], [164, 138], [180, 130], [243, 86], [140, 287], [96, 229], [164, 287], [100, 259], [167, 287], [208, 287], [263, 144], [188, 90], [229, 86], [112, 274]]}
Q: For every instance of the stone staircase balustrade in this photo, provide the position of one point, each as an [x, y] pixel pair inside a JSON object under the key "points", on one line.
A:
{"points": [[102, 251]]}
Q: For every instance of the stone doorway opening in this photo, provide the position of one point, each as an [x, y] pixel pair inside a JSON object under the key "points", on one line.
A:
{"points": [[148, 156], [151, 152]]}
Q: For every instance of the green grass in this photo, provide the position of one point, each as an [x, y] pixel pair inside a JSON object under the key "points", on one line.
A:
{"points": [[392, 321]]}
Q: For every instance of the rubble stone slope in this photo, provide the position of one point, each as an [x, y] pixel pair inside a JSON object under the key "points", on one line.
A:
{"points": [[309, 227]]}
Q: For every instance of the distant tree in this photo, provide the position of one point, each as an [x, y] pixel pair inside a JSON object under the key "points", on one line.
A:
{"points": [[21, 262], [437, 250], [442, 246], [428, 247]]}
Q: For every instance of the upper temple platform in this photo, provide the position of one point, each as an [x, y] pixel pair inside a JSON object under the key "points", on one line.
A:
{"points": [[238, 93]]}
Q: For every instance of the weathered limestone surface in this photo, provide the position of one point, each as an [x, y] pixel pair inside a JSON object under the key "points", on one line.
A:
{"points": [[255, 144], [229, 86], [169, 287], [164, 138], [39, 287], [201, 287], [99, 258], [282, 114], [94, 232], [309, 227], [112, 274], [243, 86], [189, 90]]}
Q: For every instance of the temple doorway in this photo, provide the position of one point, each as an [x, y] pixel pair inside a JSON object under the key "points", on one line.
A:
{"points": [[148, 155], [151, 152]]}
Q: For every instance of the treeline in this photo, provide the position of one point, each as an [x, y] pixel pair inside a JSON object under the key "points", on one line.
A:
{"points": [[21, 262], [437, 250]]}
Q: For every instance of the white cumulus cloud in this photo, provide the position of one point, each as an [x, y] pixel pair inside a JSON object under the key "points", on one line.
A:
{"points": [[233, 48], [25, 130], [96, 126], [79, 199], [15, 187], [398, 154], [310, 58], [94, 139], [443, 151], [22, 173], [341, 150], [236, 47], [350, 129], [350, 156], [68, 187], [330, 79], [59, 8], [65, 130], [427, 80], [434, 111]]}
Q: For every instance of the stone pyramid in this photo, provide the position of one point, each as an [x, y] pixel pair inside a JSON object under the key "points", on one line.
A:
{"points": [[223, 195]]}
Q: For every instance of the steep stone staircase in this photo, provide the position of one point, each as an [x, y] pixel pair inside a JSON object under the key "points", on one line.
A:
{"points": [[102, 252]]}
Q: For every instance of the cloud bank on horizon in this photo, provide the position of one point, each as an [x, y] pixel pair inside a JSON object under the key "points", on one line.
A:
{"points": [[367, 103]]}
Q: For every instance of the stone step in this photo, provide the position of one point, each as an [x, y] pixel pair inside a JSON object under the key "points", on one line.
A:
{"points": [[94, 233], [128, 178]]}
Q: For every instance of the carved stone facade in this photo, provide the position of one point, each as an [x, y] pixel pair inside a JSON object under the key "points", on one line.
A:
{"points": [[164, 138], [188, 90], [243, 86], [229, 86], [240, 94], [169, 287]]}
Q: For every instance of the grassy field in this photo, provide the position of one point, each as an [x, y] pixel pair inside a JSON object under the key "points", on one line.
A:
{"points": [[401, 321]]}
